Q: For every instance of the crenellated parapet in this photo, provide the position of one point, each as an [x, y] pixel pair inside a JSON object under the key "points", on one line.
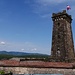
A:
{"points": [[61, 16]]}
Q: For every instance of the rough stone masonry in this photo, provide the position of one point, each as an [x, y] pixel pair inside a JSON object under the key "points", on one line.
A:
{"points": [[62, 38]]}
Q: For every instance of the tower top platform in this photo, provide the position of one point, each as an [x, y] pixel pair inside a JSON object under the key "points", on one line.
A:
{"points": [[62, 14]]}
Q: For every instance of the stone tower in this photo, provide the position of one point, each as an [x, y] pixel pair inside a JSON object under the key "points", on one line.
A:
{"points": [[62, 39]]}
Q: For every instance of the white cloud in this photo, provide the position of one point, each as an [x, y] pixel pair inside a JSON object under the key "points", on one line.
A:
{"points": [[48, 2], [34, 49], [28, 47], [46, 15], [46, 7], [22, 49], [2, 43], [51, 2], [17, 46]]}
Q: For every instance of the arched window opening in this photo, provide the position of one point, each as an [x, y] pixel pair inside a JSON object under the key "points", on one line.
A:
{"points": [[58, 24], [58, 36]]}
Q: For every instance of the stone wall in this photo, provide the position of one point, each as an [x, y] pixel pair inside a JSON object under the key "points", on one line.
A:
{"points": [[25, 70], [62, 38], [37, 67]]}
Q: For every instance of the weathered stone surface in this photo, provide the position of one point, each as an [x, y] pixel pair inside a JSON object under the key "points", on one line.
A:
{"points": [[24, 70], [37, 67], [62, 39], [36, 64]]}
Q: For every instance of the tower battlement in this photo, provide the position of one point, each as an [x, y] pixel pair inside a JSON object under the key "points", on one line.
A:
{"points": [[62, 15]]}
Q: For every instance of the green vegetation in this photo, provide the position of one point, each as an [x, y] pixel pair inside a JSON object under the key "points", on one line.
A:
{"points": [[36, 56], [2, 72], [5, 56]]}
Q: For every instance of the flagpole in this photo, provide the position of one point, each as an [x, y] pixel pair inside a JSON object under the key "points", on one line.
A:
{"points": [[68, 8]]}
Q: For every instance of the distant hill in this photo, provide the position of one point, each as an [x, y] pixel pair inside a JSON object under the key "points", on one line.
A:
{"points": [[9, 55], [19, 53], [13, 53]]}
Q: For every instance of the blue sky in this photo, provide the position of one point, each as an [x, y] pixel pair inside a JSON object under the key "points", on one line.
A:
{"points": [[26, 25]]}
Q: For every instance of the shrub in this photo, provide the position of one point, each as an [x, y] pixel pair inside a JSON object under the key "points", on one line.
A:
{"points": [[2, 72]]}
